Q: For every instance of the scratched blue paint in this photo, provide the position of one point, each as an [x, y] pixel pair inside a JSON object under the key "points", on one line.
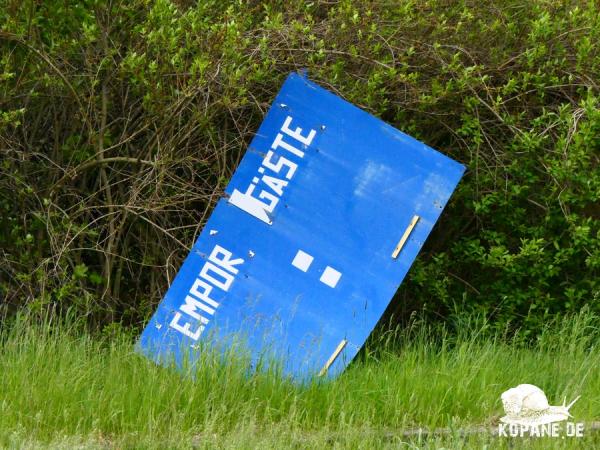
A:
{"points": [[350, 199]]}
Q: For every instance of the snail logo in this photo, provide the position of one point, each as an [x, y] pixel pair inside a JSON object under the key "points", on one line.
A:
{"points": [[529, 413]]}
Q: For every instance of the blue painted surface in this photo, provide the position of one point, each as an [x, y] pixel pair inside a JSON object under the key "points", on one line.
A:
{"points": [[348, 202]]}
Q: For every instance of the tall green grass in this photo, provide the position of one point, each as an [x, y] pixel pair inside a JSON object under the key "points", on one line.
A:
{"points": [[61, 387]]}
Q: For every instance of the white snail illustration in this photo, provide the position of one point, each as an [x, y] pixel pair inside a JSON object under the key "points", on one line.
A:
{"points": [[527, 404]]}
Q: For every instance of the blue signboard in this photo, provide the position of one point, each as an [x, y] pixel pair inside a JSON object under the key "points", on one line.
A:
{"points": [[320, 224]]}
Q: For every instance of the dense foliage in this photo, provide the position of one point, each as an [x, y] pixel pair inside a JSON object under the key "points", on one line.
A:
{"points": [[122, 121]]}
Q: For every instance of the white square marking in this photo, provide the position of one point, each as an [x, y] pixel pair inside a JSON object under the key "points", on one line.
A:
{"points": [[330, 277], [302, 261]]}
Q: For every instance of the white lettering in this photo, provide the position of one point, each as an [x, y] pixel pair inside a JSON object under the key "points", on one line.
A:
{"points": [[272, 200], [553, 429], [190, 306], [223, 283], [218, 272], [185, 329], [251, 205], [204, 295], [225, 262], [279, 142], [296, 134], [281, 162], [275, 184]]}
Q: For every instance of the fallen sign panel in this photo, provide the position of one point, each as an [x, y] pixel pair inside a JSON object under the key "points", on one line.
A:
{"points": [[321, 222]]}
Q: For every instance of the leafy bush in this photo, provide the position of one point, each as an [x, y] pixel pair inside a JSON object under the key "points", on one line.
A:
{"points": [[120, 125]]}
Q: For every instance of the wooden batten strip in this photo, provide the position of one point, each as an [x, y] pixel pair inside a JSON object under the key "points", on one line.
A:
{"points": [[405, 236], [333, 357]]}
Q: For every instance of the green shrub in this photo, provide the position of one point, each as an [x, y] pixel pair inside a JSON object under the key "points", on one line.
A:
{"points": [[121, 124]]}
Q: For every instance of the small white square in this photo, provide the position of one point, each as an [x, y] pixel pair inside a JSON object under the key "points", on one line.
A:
{"points": [[330, 277], [302, 261]]}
